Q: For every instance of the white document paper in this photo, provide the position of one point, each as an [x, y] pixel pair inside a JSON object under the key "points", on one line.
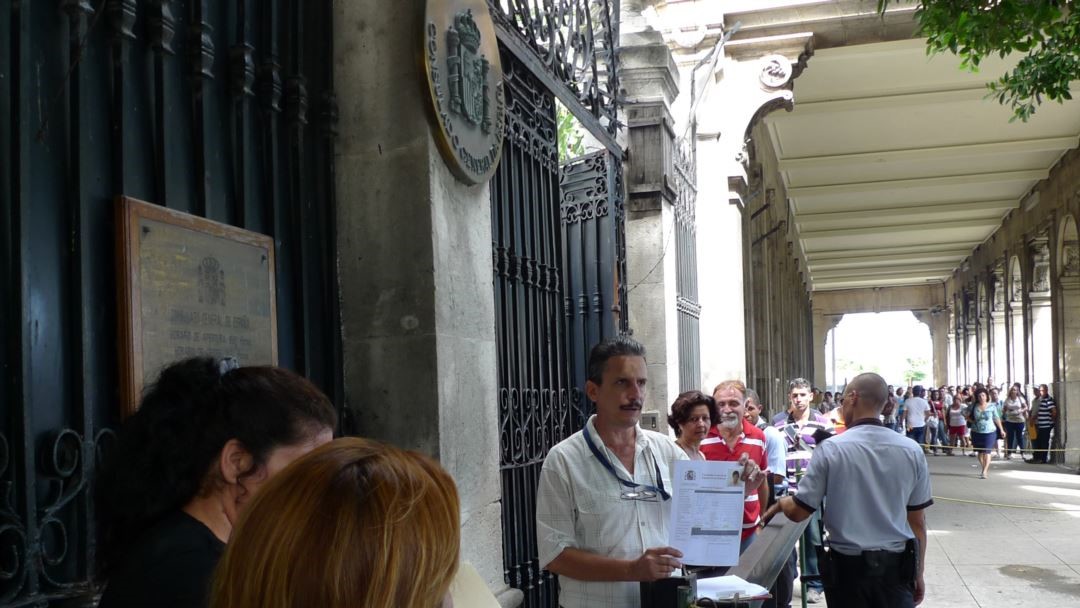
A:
{"points": [[725, 588], [707, 512]]}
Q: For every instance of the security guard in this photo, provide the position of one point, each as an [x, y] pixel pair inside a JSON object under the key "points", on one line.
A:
{"points": [[878, 488]]}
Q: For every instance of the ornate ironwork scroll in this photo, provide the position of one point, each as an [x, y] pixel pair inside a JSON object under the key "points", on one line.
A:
{"points": [[571, 46], [686, 276]]}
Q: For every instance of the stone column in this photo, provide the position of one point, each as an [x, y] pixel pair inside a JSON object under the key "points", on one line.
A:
{"points": [[1016, 336], [722, 290], [822, 325], [999, 343], [938, 323], [1070, 359], [1041, 339], [649, 76], [950, 374], [414, 248]]}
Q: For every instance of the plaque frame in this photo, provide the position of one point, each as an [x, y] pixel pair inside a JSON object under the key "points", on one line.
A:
{"points": [[129, 213]]}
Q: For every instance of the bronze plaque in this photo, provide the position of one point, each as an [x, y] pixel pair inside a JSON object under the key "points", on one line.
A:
{"points": [[464, 76], [189, 287]]}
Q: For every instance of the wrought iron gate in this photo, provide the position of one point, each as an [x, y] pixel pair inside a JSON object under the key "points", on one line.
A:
{"points": [[221, 109], [558, 249], [686, 275], [594, 256]]}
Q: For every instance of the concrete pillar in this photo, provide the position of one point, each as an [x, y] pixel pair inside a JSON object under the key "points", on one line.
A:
{"points": [[1070, 360], [414, 248], [1042, 331], [938, 323], [821, 332], [950, 375], [1042, 335], [822, 325], [649, 77], [971, 354], [999, 368], [1016, 337], [721, 287], [999, 359]]}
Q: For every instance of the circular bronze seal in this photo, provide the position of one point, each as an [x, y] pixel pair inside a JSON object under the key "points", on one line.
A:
{"points": [[464, 75]]}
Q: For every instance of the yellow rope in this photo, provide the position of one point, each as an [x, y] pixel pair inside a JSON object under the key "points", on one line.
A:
{"points": [[1006, 506], [969, 448]]}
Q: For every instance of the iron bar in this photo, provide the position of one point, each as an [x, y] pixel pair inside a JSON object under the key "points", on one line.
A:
{"points": [[201, 56], [18, 511], [162, 25], [296, 106], [241, 89], [122, 15], [79, 334]]}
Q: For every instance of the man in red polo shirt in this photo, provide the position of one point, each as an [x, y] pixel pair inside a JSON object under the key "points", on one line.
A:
{"points": [[730, 438]]}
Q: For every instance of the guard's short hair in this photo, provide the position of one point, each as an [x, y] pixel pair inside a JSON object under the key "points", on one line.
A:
{"points": [[798, 383], [619, 346], [751, 395], [871, 387]]}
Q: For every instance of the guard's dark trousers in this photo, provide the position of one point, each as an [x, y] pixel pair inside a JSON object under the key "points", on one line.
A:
{"points": [[875, 579]]}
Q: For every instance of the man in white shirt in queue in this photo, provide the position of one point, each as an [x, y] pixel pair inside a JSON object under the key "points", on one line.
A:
{"points": [[603, 501]]}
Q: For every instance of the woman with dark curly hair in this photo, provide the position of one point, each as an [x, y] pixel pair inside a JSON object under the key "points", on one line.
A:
{"points": [[207, 434], [692, 415]]}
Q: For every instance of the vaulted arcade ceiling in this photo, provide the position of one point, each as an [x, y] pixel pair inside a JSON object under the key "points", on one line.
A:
{"points": [[897, 165]]}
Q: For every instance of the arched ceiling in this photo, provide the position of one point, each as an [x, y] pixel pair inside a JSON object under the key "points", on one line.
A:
{"points": [[897, 165]]}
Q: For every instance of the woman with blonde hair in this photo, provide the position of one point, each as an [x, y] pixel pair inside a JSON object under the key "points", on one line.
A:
{"points": [[354, 523]]}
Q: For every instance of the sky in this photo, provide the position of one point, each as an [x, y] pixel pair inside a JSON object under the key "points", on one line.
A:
{"points": [[879, 342]]}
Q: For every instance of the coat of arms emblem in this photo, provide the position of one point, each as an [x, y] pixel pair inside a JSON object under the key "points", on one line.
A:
{"points": [[468, 72]]}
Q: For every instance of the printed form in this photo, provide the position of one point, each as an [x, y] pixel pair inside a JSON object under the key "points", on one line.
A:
{"points": [[707, 512]]}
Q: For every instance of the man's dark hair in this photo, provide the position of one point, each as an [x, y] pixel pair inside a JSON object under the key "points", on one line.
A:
{"points": [[918, 391], [619, 346], [798, 383]]}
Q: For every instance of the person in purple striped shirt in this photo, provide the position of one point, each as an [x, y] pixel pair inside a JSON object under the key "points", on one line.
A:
{"points": [[802, 427]]}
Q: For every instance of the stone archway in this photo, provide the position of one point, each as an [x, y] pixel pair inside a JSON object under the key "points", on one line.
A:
{"points": [[1068, 275]]}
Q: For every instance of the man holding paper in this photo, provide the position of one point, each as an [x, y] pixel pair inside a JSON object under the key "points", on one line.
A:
{"points": [[603, 502], [874, 487], [729, 439]]}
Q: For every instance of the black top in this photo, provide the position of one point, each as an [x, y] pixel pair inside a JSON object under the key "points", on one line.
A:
{"points": [[171, 566]]}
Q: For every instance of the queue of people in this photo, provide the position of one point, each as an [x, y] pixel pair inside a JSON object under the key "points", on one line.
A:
{"points": [[603, 503], [226, 489], [980, 420]]}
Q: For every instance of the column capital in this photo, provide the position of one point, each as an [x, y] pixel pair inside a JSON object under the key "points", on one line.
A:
{"points": [[647, 72]]}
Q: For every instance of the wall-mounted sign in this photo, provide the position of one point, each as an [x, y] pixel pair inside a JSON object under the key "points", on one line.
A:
{"points": [[190, 287], [464, 76]]}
